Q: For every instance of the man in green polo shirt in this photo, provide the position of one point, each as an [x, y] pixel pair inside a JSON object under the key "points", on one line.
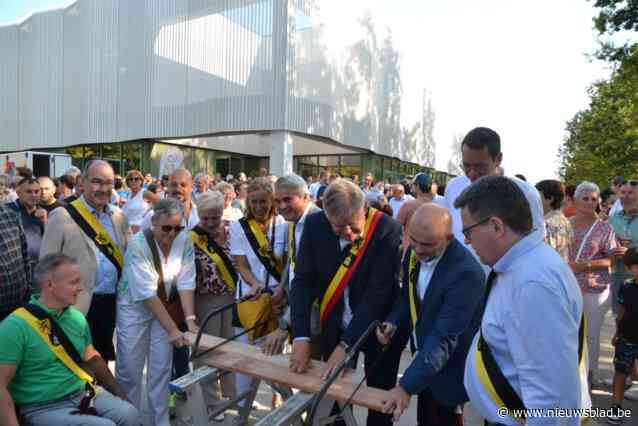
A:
{"points": [[625, 224], [33, 378]]}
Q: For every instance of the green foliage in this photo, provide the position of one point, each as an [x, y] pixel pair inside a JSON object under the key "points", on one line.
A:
{"points": [[615, 16], [602, 141]]}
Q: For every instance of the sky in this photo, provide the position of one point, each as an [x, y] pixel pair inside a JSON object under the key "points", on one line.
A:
{"points": [[519, 67]]}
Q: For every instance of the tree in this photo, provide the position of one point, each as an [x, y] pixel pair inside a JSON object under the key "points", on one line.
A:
{"points": [[602, 141], [428, 158], [615, 16], [454, 163]]}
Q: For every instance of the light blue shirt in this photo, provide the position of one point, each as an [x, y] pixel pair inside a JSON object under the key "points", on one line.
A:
{"points": [[531, 323], [106, 273]]}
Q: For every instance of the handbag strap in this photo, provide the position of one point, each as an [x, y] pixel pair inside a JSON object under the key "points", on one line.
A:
{"points": [[585, 238], [161, 288]]}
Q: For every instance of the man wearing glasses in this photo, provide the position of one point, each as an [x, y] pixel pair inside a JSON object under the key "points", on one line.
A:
{"points": [[482, 156], [527, 353], [95, 234]]}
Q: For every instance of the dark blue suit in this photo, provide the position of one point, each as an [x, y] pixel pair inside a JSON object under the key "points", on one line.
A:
{"points": [[448, 319], [373, 289]]}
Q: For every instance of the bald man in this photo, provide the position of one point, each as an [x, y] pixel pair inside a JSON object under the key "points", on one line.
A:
{"points": [[440, 304], [180, 186]]}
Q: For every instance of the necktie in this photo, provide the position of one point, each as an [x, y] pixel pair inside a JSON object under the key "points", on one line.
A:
{"points": [[491, 278]]}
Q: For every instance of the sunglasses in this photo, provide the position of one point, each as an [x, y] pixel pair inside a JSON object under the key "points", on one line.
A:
{"points": [[168, 228], [135, 178]]}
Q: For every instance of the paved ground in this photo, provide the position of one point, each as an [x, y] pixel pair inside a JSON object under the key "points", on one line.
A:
{"points": [[601, 395]]}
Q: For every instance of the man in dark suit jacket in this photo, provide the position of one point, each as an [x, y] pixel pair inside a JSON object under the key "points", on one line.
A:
{"points": [[326, 243], [443, 290]]}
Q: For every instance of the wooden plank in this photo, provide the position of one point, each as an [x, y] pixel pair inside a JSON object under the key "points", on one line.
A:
{"points": [[242, 358]]}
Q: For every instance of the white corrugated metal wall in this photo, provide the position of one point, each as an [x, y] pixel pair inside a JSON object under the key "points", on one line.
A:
{"points": [[114, 70]]}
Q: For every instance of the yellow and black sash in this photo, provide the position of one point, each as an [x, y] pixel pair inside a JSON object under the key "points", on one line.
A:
{"points": [[96, 232], [217, 255], [59, 343], [292, 244], [349, 266], [259, 243], [414, 266], [494, 381]]}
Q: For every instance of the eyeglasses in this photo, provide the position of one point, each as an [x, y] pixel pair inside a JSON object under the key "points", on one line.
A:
{"points": [[467, 232], [135, 178], [168, 228]]}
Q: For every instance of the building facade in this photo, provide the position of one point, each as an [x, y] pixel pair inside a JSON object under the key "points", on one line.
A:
{"points": [[214, 85]]}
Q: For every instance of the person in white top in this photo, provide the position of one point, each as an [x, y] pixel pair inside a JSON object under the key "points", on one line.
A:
{"points": [[482, 156], [136, 201], [616, 184], [398, 199], [254, 276], [146, 333], [231, 214], [531, 323]]}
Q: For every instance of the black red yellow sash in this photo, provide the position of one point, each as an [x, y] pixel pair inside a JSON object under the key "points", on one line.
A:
{"points": [[96, 233], [217, 255], [259, 243], [58, 342], [413, 270], [349, 266]]}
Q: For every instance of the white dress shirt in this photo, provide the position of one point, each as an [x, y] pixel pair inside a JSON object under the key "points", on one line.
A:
{"points": [[459, 183], [531, 324], [397, 204]]}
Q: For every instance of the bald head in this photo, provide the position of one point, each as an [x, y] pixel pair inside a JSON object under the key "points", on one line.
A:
{"points": [[47, 190], [180, 186], [430, 231]]}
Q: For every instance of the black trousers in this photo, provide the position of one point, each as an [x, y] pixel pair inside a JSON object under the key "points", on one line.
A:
{"points": [[431, 413], [181, 358], [381, 368], [101, 319]]}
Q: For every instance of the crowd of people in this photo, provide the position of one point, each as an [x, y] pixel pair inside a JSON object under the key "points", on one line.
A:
{"points": [[498, 287]]}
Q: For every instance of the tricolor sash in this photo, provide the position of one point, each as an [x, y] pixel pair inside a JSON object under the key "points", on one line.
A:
{"points": [[349, 266], [217, 255], [495, 383], [96, 233], [58, 342], [259, 243], [414, 267]]}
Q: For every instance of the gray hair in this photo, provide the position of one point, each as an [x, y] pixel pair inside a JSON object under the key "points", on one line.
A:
{"points": [[182, 170], [95, 163], [224, 186], [211, 200], [292, 182], [342, 199], [48, 265], [201, 175], [73, 171], [167, 207], [585, 187]]}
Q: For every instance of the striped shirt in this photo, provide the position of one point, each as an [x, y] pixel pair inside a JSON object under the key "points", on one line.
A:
{"points": [[15, 273]]}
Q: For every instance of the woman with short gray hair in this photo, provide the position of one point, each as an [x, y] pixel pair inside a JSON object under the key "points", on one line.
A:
{"points": [[216, 283], [158, 279], [590, 255]]}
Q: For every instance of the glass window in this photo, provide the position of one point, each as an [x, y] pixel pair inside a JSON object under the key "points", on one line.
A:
{"points": [[350, 166], [331, 161], [131, 156], [222, 165], [77, 155], [235, 166], [111, 152]]}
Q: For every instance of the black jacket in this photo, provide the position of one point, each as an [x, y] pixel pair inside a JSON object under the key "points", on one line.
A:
{"points": [[372, 289]]}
